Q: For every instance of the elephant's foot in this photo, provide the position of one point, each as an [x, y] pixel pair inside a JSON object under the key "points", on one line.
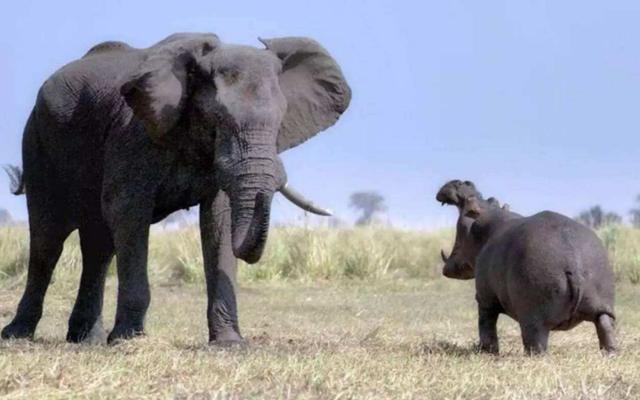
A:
{"points": [[87, 333], [226, 338], [489, 348], [18, 330], [122, 332]]}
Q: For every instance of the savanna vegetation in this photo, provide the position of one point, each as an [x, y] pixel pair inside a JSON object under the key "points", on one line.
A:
{"points": [[300, 254], [328, 313]]}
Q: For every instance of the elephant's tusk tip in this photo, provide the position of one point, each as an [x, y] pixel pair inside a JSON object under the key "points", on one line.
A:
{"points": [[297, 199], [319, 211]]}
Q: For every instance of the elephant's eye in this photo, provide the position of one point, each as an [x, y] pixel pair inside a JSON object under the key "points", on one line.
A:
{"points": [[230, 75], [192, 71]]}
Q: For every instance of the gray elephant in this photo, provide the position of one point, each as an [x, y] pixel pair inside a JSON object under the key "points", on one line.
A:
{"points": [[546, 271], [122, 137]]}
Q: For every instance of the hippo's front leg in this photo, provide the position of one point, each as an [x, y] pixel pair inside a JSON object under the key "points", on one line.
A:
{"points": [[487, 321], [535, 336], [220, 266]]}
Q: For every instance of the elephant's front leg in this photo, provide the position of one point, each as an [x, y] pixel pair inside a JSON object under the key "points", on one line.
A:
{"points": [[220, 267]]}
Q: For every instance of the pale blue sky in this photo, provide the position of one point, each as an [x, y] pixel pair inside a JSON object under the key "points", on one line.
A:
{"points": [[535, 101]]}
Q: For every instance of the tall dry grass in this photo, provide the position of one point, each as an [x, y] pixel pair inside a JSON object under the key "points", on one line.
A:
{"points": [[623, 244], [308, 254]]}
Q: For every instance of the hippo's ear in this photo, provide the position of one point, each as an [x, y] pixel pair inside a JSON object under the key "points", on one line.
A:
{"points": [[472, 207]]}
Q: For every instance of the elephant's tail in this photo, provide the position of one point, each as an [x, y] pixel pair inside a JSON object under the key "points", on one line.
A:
{"points": [[17, 180]]}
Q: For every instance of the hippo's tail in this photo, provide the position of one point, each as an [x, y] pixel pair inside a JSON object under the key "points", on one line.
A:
{"points": [[574, 281], [17, 179]]}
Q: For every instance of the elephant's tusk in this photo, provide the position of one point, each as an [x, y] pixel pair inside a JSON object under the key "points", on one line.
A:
{"points": [[297, 199]]}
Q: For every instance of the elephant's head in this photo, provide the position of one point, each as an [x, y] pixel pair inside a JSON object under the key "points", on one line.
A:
{"points": [[244, 105]]}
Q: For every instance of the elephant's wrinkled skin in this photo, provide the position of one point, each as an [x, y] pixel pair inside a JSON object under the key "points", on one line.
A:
{"points": [[546, 271], [122, 137]]}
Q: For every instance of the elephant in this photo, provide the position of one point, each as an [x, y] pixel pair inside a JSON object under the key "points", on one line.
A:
{"points": [[546, 271], [124, 136]]}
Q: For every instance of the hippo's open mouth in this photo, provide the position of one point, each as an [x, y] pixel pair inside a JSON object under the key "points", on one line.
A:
{"points": [[448, 196]]}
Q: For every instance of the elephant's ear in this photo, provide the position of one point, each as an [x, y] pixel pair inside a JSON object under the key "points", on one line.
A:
{"points": [[312, 82], [157, 91]]}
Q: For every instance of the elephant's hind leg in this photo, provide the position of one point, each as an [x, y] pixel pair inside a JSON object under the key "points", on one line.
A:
{"points": [[46, 243], [85, 323], [50, 222]]}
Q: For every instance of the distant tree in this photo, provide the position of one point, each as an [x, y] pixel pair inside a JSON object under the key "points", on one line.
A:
{"points": [[596, 217], [369, 203], [635, 213], [5, 217]]}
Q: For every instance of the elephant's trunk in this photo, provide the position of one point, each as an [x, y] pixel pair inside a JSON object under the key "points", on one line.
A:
{"points": [[251, 227], [252, 182]]}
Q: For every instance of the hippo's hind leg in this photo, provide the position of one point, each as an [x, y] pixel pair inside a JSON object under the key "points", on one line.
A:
{"points": [[605, 329], [535, 337]]}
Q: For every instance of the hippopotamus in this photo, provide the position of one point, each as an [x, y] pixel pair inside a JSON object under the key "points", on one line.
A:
{"points": [[546, 271]]}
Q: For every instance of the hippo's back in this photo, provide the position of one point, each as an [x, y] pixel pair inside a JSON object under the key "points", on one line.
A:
{"points": [[551, 235], [585, 256], [548, 263]]}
